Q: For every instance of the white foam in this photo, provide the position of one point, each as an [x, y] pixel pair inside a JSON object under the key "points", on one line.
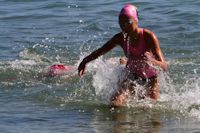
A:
{"points": [[106, 77], [182, 97]]}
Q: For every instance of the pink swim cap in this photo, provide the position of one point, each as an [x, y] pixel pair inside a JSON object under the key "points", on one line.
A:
{"points": [[130, 11], [59, 69]]}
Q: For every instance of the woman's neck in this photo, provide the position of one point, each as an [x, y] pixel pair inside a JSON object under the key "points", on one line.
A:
{"points": [[134, 37]]}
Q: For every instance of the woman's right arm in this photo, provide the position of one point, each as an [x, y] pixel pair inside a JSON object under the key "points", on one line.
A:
{"points": [[102, 50]]}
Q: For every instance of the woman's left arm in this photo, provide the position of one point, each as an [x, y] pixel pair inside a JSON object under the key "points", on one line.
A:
{"points": [[154, 48]]}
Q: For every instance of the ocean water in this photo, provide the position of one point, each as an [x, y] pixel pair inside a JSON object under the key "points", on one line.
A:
{"points": [[36, 34]]}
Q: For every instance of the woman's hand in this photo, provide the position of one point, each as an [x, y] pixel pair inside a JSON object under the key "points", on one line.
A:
{"points": [[152, 61], [150, 58], [81, 69]]}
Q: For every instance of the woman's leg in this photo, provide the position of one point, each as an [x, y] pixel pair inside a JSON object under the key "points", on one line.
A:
{"points": [[153, 89], [120, 97]]}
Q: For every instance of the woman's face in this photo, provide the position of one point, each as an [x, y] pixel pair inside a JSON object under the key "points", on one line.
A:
{"points": [[127, 24]]}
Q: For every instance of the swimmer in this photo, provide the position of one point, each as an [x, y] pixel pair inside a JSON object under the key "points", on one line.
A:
{"points": [[60, 69], [143, 52]]}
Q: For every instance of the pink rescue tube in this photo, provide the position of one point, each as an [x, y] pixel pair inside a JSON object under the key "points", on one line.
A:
{"points": [[59, 69]]}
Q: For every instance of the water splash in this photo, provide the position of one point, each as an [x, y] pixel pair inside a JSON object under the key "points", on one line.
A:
{"points": [[186, 97], [177, 93], [182, 97], [28, 70], [106, 77]]}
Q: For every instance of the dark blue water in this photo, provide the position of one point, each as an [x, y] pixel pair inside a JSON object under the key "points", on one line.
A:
{"points": [[36, 34]]}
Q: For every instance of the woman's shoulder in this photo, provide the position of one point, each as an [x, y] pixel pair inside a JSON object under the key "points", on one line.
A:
{"points": [[150, 38], [148, 32], [118, 38], [149, 35], [119, 35]]}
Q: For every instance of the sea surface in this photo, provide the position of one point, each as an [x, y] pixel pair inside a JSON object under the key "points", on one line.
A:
{"points": [[35, 34]]}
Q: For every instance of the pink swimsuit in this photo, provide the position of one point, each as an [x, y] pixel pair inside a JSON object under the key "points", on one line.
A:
{"points": [[137, 64]]}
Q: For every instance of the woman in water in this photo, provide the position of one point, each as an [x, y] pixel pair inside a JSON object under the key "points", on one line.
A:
{"points": [[143, 52]]}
